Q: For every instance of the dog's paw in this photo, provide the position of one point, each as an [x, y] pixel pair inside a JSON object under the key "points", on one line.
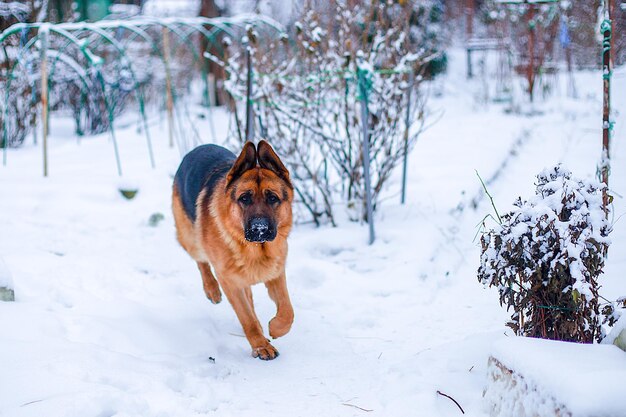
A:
{"points": [[266, 352], [279, 327], [213, 293]]}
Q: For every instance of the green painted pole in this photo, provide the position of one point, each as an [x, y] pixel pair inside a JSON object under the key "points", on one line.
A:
{"points": [[168, 85], [249, 109], [43, 36], [407, 122], [366, 154]]}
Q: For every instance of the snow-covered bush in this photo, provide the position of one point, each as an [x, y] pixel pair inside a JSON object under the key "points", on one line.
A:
{"points": [[307, 97], [546, 256]]}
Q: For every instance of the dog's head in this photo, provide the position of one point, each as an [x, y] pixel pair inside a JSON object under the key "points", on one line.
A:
{"points": [[261, 193]]}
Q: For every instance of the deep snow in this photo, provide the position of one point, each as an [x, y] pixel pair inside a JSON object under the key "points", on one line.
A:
{"points": [[111, 319], [556, 370]]}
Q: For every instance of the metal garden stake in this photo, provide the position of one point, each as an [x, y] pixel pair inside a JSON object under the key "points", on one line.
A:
{"points": [[44, 97], [249, 109], [407, 122], [606, 108], [168, 85], [366, 153]]}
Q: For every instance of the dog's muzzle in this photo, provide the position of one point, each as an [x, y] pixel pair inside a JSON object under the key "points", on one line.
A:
{"points": [[259, 230]]}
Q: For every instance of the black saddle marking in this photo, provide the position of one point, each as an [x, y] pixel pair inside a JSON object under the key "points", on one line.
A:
{"points": [[201, 169]]}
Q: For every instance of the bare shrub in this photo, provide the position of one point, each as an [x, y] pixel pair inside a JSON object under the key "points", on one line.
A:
{"points": [[307, 96], [17, 120]]}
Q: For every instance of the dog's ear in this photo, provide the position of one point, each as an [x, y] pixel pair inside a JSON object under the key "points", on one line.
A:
{"points": [[269, 160], [244, 162]]}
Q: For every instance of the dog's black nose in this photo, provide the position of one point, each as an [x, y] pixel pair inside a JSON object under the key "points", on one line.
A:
{"points": [[259, 225], [260, 229]]}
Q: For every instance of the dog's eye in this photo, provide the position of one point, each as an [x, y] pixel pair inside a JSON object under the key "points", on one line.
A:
{"points": [[245, 199], [272, 198]]}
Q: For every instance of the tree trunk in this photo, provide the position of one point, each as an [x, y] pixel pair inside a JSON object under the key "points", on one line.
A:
{"points": [[469, 19], [531, 52], [209, 9]]}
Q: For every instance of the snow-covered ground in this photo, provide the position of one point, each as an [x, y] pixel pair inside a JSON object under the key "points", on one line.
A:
{"points": [[111, 319], [545, 380]]}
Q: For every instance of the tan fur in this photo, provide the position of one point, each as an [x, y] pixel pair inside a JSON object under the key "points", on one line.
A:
{"points": [[217, 238]]}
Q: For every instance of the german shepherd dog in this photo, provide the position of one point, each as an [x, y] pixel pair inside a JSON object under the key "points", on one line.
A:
{"points": [[234, 214]]}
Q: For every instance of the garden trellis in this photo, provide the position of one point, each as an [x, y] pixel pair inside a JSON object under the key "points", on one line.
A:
{"points": [[96, 68]]}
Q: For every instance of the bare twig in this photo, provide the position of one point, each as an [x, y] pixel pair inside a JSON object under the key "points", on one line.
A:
{"points": [[447, 396], [490, 197], [31, 402], [356, 406]]}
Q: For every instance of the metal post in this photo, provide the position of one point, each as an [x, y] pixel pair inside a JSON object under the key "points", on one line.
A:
{"points": [[611, 10], [111, 117], [366, 155], [606, 108], [249, 109], [469, 32], [262, 126], [407, 122], [44, 96], [570, 71], [212, 91], [211, 104], [168, 85]]}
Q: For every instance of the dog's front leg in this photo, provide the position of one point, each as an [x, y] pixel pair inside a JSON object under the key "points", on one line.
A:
{"points": [[281, 323], [241, 302], [210, 284]]}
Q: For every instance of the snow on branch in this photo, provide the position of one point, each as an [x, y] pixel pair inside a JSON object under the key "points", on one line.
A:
{"points": [[307, 97]]}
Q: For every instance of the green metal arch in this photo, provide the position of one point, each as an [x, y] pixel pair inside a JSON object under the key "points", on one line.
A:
{"points": [[251, 18], [13, 29], [122, 53], [198, 28], [143, 35], [182, 29], [172, 29], [184, 38], [91, 59]]}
